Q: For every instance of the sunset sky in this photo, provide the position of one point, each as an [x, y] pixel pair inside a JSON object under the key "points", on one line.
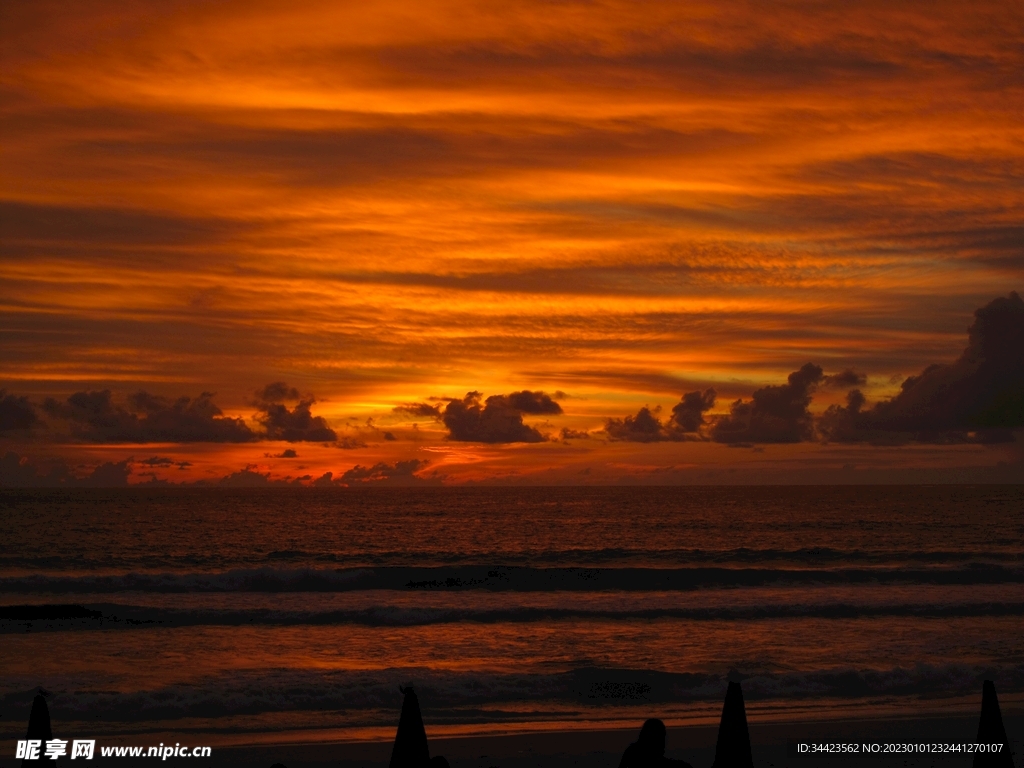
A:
{"points": [[340, 219]]}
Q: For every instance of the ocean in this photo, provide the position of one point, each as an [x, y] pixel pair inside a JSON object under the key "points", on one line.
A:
{"points": [[248, 616]]}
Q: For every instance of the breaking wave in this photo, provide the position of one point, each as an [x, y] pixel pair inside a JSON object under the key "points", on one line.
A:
{"points": [[501, 578], [64, 617]]}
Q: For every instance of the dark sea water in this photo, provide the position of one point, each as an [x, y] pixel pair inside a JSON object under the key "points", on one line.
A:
{"points": [[251, 615]]}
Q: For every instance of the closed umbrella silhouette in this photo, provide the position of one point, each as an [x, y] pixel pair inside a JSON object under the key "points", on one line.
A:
{"points": [[410, 750], [38, 724], [733, 747], [991, 731]]}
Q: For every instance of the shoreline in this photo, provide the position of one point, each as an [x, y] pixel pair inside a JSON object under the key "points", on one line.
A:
{"points": [[693, 717], [602, 748]]}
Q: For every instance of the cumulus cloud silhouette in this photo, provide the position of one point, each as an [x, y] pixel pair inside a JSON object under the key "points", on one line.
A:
{"points": [[685, 423], [535, 403], [983, 389], [839, 423], [16, 413], [688, 413], [645, 427], [20, 472], [277, 392], [326, 480], [498, 420], [108, 475], [293, 425], [246, 478], [775, 414], [398, 473], [978, 398], [93, 416]]}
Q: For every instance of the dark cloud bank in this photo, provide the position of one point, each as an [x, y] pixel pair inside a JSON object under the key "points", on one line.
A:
{"points": [[775, 414], [295, 425], [977, 398], [983, 389], [498, 419], [399, 473], [16, 413], [144, 418], [685, 423], [95, 417], [19, 472]]}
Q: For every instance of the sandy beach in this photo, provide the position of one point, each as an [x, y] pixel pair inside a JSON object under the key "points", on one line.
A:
{"points": [[603, 749]]}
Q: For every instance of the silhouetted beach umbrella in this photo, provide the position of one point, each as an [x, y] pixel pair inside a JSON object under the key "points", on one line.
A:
{"points": [[38, 723], [733, 747], [648, 751], [991, 731], [39, 720], [410, 750]]}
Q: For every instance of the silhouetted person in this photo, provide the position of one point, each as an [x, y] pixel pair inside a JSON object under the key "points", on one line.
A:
{"points": [[991, 731], [733, 747], [410, 750], [38, 724], [648, 751]]}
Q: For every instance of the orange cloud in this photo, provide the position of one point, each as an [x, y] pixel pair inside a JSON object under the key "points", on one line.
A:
{"points": [[427, 199]]}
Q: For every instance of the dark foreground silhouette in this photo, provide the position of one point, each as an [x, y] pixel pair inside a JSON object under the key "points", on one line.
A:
{"points": [[991, 731], [38, 723], [732, 750], [648, 751], [410, 750]]}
